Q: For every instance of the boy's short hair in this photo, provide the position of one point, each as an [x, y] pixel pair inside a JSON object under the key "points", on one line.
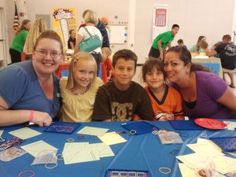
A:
{"points": [[175, 25], [124, 54], [180, 41]]}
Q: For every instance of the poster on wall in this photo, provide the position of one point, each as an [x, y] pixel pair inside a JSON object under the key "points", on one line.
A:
{"points": [[63, 20], [118, 34], [159, 25]]}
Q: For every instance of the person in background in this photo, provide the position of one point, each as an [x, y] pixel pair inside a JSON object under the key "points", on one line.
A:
{"points": [[122, 99], [105, 21], [166, 101], [161, 42], [204, 94], [18, 42], [226, 50], [180, 43], [101, 27], [78, 91], [72, 40], [200, 46], [39, 26], [106, 65], [90, 23], [29, 91]]}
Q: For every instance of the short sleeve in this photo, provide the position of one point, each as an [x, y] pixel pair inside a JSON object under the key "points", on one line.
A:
{"points": [[13, 83], [102, 110], [214, 85]]}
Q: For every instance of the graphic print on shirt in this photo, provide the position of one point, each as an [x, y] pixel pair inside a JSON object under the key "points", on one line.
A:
{"points": [[121, 111]]}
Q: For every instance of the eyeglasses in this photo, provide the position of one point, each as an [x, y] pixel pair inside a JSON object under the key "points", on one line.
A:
{"points": [[43, 53]]}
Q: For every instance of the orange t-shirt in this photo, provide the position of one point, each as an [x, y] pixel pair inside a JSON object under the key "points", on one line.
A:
{"points": [[171, 103]]}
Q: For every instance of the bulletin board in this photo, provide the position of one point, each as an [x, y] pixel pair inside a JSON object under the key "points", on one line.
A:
{"points": [[118, 34]]}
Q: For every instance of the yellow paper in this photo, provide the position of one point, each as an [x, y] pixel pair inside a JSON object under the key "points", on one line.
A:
{"points": [[77, 153], [224, 164], [25, 133], [112, 138], [38, 147], [95, 131], [101, 150], [186, 171]]}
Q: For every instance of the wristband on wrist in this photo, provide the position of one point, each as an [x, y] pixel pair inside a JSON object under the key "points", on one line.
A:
{"points": [[31, 115]]}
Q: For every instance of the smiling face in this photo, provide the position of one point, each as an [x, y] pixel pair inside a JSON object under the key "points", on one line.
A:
{"points": [[175, 68], [84, 73], [155, 78], [123, 72], [47, 56]]}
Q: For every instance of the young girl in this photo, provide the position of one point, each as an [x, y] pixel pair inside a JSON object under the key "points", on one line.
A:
{"points": [[79, 90], [166, 101]]}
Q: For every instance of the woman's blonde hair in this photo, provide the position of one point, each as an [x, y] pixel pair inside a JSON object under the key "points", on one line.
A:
{"points": [[79, 56], [36, 29], [90, 17]]}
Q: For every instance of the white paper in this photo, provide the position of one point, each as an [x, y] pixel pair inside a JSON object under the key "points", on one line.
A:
{"points": [[25, 133], [38, 147]]}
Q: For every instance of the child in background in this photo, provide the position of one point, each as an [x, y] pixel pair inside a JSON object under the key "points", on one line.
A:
{"points": [[122, 99], [180, 43], [166, 101], [78, 91], [72, 40], [106, 65]]}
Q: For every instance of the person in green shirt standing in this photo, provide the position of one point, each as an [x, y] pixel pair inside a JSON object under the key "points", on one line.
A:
{"points": [[18, 42], [162, 41]]}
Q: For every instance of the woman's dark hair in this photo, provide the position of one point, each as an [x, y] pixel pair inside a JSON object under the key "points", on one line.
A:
{"points": [[186, 57], [153, 63], [22, 27]]}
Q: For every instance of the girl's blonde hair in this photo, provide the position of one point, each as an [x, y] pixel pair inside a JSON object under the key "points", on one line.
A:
{"points": [[36, 29], [79, 56], [90, 17]]}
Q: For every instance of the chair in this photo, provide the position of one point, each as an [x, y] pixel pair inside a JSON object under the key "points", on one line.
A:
{"points": [[232, 76]]}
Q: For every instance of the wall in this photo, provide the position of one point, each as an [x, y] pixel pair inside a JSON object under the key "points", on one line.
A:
{"points": [[211, 18]]}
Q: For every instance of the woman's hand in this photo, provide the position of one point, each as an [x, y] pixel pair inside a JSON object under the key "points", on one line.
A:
{"points": [[41, 118]]}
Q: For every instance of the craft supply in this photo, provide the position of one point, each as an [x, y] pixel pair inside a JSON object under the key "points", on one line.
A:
{"points": [[169, 137], [139, 127], [51, 165], [11, 153], [227, 144], [165, 170], [28, 173], [126, 173], [62, 127], [9, 143]]}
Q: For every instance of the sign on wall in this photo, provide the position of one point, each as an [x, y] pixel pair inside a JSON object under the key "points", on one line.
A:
{"points": [[63, 20], [160, 19]]}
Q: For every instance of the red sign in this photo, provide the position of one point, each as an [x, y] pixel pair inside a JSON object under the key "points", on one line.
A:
{"points": [[160, 17]]}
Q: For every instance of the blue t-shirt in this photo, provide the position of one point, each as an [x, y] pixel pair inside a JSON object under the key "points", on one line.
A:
{"points": [[20, 88]]}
